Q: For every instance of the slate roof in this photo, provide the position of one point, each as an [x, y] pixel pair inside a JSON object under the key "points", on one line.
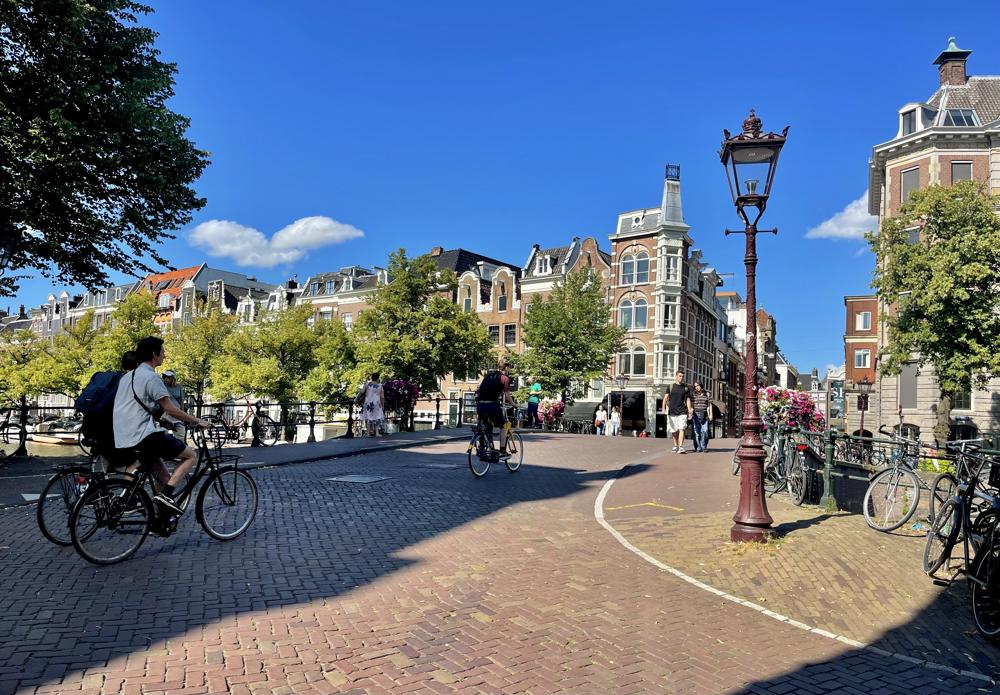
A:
{"points": [[460, 260], [980, 93]]}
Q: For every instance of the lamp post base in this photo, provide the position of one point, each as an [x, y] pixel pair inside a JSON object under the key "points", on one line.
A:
{"points": [[752, 521], [743, 533]]}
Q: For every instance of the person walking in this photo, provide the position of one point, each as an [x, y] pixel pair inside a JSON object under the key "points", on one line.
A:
{"points": [[678, 407], [535, 395], [614, 422], [701, 417], [601, 419], [373, 412], [176, 392]]}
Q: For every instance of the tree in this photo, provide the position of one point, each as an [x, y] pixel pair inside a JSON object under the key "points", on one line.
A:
{"points": [[20, 352], [191, 349], [95, 167], [65, 364], [332, 377], [131, 321], [414, 330], [569, 335], [270, 358], [942, 288]]}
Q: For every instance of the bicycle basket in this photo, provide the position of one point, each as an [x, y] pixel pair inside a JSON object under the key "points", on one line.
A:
{"points": [[994, 481]]}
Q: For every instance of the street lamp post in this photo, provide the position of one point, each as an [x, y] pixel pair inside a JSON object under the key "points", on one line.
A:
{"points": [[621, 380], [865, 387], [751, 158]]}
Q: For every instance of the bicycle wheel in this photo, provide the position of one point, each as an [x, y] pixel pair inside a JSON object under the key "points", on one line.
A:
{"points": [[56, 503], [942, 537], [479, 456], [774, 475], [110, 521], [797, 478], [217, 432], [270, 431], [227, 504], [944, 487], [515, 449], [986, 589], [891, 499]]}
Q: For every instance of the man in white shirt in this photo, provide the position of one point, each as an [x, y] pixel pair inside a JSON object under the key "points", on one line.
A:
{"points": [[141, 400]]}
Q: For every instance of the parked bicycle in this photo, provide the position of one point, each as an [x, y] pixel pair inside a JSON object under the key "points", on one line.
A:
{"points": [[254, 421], [957, 521], [482, 452], [60, 495], [113, 517], [893, 494]]}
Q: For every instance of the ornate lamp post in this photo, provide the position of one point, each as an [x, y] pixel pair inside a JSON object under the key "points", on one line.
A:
{"points": [[750, 159], [865, 387]]}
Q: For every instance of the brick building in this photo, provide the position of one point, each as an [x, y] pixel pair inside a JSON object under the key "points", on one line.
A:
{"points": [[954, 135]]}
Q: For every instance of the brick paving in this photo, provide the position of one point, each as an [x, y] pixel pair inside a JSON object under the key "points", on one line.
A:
{"points": [[428, 582]]}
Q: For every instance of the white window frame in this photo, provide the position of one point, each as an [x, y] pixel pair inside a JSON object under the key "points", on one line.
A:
{"points": [[627, 325], [489, 331], [514, 341], [635, 315], [639, 258], [867, 354], [542, 265], [348, 320], [903, 195], [627, 276], [164, 301], [863, 325]]}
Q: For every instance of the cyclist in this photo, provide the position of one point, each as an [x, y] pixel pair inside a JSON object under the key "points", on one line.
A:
{"points": [[141, 400], [492, 397]]}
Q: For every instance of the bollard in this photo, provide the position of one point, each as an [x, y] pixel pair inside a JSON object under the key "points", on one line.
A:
{"points": [[350, 421], [312, 422], [828, 501], [437, 412], [22, 436]]}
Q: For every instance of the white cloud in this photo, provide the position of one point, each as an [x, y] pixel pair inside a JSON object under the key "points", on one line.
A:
{"points": [[248, 247], [850, 223]]}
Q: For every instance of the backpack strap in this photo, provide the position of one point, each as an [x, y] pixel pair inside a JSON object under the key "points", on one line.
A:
{"points": [[138, 400]]}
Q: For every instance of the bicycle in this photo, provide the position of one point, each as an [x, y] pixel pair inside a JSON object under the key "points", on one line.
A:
{"points": [[112, 519], [58, 498], [893, 494], [775, 475], [261, 425], [482, 453], [955, 523]]}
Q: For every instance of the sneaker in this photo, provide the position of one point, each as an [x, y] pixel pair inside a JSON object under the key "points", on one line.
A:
{"points": [[674, 450], [680, 450], [168, 503]]}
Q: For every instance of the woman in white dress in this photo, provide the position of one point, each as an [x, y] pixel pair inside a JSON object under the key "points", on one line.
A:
{"points": [[374, 406]]}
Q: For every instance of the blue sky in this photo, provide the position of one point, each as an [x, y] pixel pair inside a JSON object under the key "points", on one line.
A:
{"points": [[493, 126]]}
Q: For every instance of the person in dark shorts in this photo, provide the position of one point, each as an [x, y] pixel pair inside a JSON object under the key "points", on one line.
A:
{"points": [[492, 396], [141, 400]]}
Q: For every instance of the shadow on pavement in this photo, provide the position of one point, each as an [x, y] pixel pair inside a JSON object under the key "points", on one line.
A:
{"points": [[313, 540], [792, 526]]}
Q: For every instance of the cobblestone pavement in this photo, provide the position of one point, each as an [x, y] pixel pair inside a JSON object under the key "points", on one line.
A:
{"points": [[429, 582]]}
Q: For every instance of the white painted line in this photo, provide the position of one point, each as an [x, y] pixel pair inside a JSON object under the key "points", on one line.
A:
{"points": [[599, 515]]}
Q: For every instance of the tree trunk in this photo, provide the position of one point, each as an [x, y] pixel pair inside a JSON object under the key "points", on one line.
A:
{"points": [[942, 427]]}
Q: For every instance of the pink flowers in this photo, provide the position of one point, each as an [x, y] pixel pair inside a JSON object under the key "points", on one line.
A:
{"points": [[400, 395], [793, 408]]}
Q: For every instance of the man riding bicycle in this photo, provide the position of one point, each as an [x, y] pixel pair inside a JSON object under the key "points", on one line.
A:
{"points": [[492, 398], [140, 401]]}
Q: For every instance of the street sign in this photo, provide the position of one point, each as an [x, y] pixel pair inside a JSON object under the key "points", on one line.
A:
{"points": [[836, 398]]}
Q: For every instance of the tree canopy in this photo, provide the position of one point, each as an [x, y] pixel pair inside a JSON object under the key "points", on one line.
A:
{"points": [[192, 348], [95, 168], [569, 335], [414, 329], [132, 321], [937, 269]]}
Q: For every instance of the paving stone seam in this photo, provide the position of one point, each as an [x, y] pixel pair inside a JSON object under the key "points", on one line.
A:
{"points": [[624, 542]]}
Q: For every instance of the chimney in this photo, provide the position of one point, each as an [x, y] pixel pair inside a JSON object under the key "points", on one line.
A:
{"points": [[292, 284], [951, 64], [20, 312], [670, 209], [437, 251]]}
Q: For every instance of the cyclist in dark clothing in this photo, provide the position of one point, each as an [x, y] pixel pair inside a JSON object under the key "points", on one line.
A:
{"points": [[492, 396]]}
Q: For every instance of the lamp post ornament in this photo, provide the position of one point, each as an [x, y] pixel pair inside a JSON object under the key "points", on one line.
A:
{"points": [[750, 159]]}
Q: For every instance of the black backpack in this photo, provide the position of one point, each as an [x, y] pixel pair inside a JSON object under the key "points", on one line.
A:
{"points": [[97, 403], [491, 388]]}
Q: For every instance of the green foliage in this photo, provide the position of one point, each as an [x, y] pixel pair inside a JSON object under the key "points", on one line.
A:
{"points": [[332, 377], [19, 354], [131, 321], [65, 364], [414, 330], [192, 348], [943, 289], [96, 167], [569, 335], [270, 358]]}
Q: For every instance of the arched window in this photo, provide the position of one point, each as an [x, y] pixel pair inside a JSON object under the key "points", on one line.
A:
{"points": [[639, 314], [625, 315], [633, 362], [628, 270], [642, 268]]}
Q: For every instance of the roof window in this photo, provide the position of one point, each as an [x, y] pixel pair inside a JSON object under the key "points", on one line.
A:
{"points": [[910, 122], [959, 117]]}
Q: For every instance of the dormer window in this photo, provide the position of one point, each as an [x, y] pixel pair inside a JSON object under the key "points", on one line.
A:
{"points": [[636, 222], [542, 265], [330, 286], [961, 118], [313, 289], [118, 294], [467, 301], [502, 298], [165, 301], [910, 122], [347, 285]]}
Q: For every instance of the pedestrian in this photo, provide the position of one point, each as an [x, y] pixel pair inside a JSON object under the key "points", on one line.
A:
{"points": [[534, 397], [701, 417], [176, 392], [678, 407], [373, 405], [614, 422], [601, 419]]}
